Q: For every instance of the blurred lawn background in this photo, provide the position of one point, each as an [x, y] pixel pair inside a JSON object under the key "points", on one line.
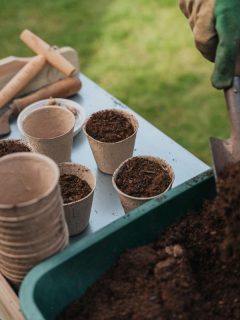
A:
{"points": [[140, 51]]}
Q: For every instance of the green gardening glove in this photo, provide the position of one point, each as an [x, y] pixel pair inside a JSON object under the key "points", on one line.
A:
{"points": [[216, 29]]}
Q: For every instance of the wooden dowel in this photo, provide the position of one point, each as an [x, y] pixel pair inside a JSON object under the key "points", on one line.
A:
{"points": [[21, 79], [52, 56], [60, 89]]}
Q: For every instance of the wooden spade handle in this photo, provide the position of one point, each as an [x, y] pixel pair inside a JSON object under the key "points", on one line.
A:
{"points": [[21, 79], [52, 56], [60, 89], [232, 96], [237, 66]]}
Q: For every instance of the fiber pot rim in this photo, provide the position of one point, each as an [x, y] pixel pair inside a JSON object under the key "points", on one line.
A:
{"points": [[141, 198], [25, 134], [37, 156], [72, 164], [115, 110]]}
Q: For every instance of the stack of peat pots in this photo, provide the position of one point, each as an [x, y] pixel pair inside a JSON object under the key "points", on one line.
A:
{"points": [[32, 225]]}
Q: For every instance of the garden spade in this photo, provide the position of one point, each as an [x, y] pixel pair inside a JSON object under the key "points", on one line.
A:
{"points": [[227, 152]]}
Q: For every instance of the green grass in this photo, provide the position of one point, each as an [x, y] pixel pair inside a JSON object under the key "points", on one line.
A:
{"points": [[140, 51]]}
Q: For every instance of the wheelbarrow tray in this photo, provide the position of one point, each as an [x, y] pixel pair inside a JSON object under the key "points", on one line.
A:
{"points": [[54, 283]]}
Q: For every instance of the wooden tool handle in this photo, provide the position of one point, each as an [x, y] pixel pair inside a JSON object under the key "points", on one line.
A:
{"points": [[61, 89], [232, 96], [21, 79], [237, 66], [52, 55], [9, 302]]}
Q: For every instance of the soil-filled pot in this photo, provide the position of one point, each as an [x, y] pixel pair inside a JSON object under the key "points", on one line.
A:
{"points": [[139, 179], [77, 185], [13, 146], [32, 220], [111, 134], [49, 130]]}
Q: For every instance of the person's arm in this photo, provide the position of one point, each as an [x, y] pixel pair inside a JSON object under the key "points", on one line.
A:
{"points": [[216, 28]]}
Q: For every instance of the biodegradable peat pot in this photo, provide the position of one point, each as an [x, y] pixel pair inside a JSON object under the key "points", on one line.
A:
{"points": [[23, 262], [77, 213], [142, 180], [49, 130], [8, 146], [20, 245], [109, 155], [32, 224]]}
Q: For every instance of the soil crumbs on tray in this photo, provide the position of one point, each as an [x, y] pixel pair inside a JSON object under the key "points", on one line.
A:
{"points": [[192, 272], [141, 177], [109, 126], [73, 188], [8, 147]]}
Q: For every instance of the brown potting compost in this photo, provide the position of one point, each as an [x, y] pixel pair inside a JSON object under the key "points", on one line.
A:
{"points": [[191, 272], [142, 177], [8, 147], [109, 126], [73, 188]]}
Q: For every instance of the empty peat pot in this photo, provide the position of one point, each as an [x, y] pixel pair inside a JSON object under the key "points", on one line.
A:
{"points": [[49, 130], [32, 224], [111, 134], [139, 179], [8, 146], [78, 184]]}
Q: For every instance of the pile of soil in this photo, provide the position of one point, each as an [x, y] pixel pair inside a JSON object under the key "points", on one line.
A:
{"points": [[73, 188], [192, 272], [8, 147], [109, 126], [141, 177]]}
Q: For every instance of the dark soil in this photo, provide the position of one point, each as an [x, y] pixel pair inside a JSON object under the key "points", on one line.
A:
{"points": [[73, 188], [109, 126], [192, 272], [8, 147], [141, 177]]}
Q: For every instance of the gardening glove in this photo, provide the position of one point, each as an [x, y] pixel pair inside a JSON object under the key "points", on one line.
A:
{"points": [[216, 28]]}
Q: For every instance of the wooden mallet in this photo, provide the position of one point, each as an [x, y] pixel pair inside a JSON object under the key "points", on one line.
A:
{"points": [[31, 69], [60, 89], [50, 53], [21, 79]]}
